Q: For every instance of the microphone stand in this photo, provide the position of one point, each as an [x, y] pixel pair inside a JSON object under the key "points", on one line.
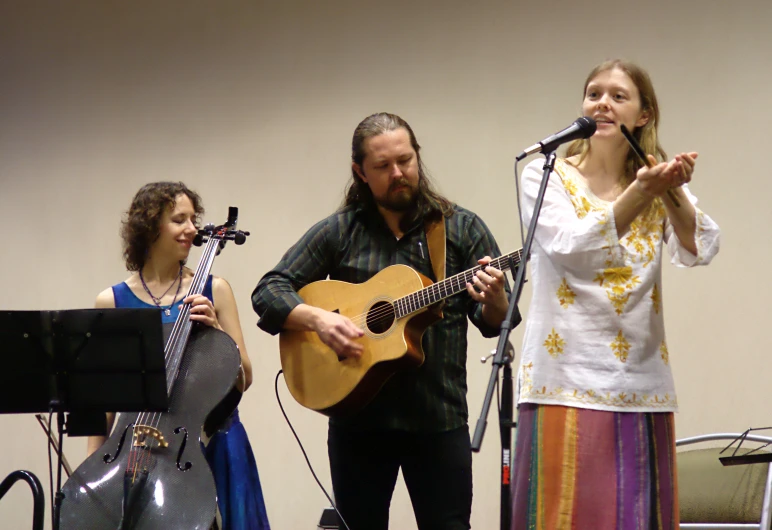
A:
{"points": [[503, 358]]}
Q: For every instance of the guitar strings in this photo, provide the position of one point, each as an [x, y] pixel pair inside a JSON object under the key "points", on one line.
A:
{"points": [[383, 314]]}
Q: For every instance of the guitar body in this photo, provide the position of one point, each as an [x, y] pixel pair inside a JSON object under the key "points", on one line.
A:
{"points": [[318, 379]]}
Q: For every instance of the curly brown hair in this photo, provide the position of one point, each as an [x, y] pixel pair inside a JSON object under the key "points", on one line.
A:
{"points": [[141, 224]]}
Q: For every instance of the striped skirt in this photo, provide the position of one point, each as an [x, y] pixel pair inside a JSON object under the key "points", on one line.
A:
{"points": [[593, 470]]}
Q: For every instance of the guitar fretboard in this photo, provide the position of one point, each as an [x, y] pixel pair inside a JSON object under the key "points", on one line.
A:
{"points": [[448, 287]]}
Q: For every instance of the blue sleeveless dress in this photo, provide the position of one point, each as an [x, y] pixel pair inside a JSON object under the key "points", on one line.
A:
{"points": [[239, 495]]}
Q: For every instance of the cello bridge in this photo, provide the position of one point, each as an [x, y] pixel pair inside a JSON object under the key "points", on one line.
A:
{"points": [[142, 433]]}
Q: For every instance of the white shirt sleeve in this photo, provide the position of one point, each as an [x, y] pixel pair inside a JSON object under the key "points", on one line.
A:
{"points": [[579, 243], [707, 237]]}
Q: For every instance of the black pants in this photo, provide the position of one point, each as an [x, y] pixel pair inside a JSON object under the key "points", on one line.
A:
{"points": [[437, 469]]}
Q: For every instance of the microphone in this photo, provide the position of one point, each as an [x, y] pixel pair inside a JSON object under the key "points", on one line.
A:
{"points": [[583, 127]]}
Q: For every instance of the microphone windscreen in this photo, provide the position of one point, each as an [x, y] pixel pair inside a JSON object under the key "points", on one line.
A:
{"points": [[587, 125]]}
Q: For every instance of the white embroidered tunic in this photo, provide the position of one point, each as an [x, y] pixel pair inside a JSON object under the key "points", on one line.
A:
{"points": [[595, 335]]}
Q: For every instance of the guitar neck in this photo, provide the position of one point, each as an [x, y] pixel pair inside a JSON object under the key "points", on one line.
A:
{"points": [[448, 287]]}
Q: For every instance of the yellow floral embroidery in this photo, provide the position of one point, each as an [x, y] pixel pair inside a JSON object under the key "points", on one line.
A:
{"points": [[527, 388], [582, 206], [655, 298], [615, 276], [569, 186], [640, 245], [592, 397], [645, 233], [554, 344], [566, 295], [526, 382], [619, 283], [618, 300], [664, 353], [620, 347]]}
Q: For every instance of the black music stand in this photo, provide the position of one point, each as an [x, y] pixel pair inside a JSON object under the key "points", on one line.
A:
{"points": [[84, 362], [751, 456]]}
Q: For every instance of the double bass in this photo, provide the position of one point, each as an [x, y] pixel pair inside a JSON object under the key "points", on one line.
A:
{"points": [[151, 473]]}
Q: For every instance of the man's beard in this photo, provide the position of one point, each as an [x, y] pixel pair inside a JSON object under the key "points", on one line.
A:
{"points": [[401, 202]]}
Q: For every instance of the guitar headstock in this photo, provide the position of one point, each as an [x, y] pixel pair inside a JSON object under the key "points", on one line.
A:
{"points": [[223, 233]]}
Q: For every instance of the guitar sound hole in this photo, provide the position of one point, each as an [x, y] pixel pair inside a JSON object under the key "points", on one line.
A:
{"points": [[380, 317]]}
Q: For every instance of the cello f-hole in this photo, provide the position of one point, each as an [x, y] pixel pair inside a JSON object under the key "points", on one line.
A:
{"points": [[184, 442], [107, 459]]}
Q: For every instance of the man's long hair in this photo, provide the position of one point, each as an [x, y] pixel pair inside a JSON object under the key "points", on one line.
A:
{"points": [[358, 192]]}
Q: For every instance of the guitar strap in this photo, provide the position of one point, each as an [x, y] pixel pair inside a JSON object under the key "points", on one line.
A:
{"points": [[435, 240]]}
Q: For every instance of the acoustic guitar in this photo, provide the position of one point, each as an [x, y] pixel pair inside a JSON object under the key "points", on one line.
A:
{"points": [[393, 308]]}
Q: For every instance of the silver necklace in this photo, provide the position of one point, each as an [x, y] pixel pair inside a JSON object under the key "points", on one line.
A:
{"points": [[157, 301]]}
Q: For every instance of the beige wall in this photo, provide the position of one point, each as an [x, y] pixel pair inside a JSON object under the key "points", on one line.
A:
{"points": [[253, 105]]}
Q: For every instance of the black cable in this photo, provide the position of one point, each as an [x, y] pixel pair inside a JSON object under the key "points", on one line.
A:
{"points": [[308, 462]]}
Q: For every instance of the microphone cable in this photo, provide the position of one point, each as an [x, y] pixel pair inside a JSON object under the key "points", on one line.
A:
{"points": [[302, 449]]}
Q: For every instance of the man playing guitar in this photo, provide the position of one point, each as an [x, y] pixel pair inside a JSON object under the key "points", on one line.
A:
{"points": [[418, 419]]}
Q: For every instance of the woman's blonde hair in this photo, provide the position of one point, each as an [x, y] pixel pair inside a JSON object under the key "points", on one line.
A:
{"points": [[647, 134]]}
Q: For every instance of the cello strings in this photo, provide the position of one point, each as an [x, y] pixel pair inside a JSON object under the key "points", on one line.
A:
{"points": [[173, 359]]}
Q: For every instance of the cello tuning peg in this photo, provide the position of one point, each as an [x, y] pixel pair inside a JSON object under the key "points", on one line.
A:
{"points": [[240, 236]]}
